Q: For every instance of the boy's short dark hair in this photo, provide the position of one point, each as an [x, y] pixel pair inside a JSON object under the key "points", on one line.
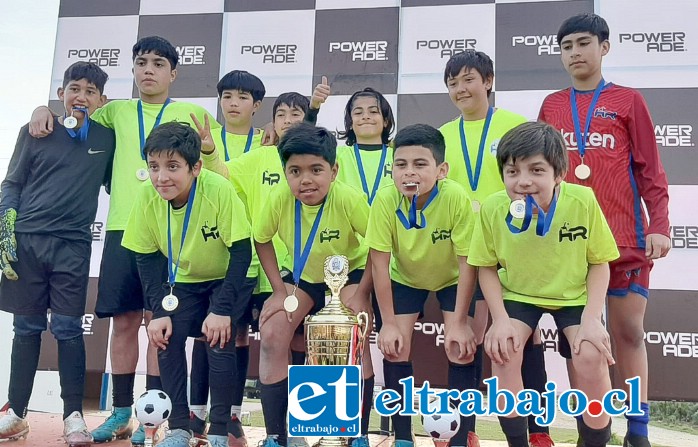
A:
{"points": [[386, 111], [88, 71], [473, 60], [291, 99], [422, 135], [157, 45], [533, 138], [175, 138], [304, 138], [584, 23], [242, 81]]}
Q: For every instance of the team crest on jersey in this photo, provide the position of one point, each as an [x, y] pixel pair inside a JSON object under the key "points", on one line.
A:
{"points": [[440, 235], [209, 232], [328, 235], [573, 233], [271, 178], [601, 112], [493, 147], [388, 169]]}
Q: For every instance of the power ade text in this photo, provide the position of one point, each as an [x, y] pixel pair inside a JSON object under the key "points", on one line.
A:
{"points": [[374, 50], [447, 47], [674, 135], [544, 44], [104, 57], [273, 54], [685, 236], [675, 344], [666, 42], [191, 54]]}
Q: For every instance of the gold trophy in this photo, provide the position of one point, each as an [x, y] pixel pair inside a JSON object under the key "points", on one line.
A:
{"points": [[335, 336]]}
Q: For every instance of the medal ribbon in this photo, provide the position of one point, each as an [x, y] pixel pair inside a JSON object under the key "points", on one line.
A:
{"points": [[582, 138], [172, 273], [300, 259], [362, 174], [85, 129], [412, 212], [545, 220], [141, 124], [248, 144], [474, 178]]}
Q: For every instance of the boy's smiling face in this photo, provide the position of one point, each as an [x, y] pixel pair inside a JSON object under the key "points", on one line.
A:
{"points": [[82, 94], [309, 177], [415, 170], [171, 175], [367, 120], [532, 176], [468, 90]]}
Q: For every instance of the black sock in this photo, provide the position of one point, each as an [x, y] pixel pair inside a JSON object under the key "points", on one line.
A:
{"points": [[515, 430], [122, 391], [274, 408], [198, 386], [594, 437], [242, 361], [71, 370], [393, 372], [534, 378], [297, 357], [152, 382], [462, 377], [25, 360], [367, 403], [477, 362]]}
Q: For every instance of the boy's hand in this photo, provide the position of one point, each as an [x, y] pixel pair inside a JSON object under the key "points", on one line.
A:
{"points": [[497, 341], [657, 246], [41, 124], [592, 330], [390, 341], [217, 329], [274, 304], [8, 243], [320, 94], [463, 339], [269, 135], [159, 332], [207, 144]]}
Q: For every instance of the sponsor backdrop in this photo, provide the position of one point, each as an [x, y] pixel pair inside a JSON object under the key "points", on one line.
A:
{"points": [[400, 48]]}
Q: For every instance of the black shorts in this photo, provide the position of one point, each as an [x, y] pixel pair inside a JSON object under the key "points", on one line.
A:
{"points": [[194, 303], [408, 300], [256, 305], [53, 274], [119, 289], [246, 296], [530, 314]]}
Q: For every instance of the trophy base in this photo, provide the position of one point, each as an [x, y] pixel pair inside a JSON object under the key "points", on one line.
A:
{"points": [[333, 441]]}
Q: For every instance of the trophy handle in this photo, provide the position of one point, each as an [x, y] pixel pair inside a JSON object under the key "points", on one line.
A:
{"points": [[362, 318]]}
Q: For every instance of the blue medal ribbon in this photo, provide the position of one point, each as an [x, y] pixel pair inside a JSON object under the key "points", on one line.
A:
{"points": [[141, 124], [545, 220], [362, 174], [248, 144], [300, 259], [81, 134], [412, 222], [582, 138], [172, 273], [474, 177]]}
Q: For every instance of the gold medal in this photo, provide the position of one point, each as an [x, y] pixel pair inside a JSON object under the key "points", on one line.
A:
{"points": [[476, 206], [582, 172], [170, 302], [70, 122], [518, 208], [142, 174]]}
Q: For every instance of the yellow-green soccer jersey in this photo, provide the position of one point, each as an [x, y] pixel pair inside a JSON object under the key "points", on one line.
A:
{"points": [[217, 220], [343, 220], [235, 143], [490, 180], [550, 270], [423, 258], [122, 116], [255, 175], [370, 160]]}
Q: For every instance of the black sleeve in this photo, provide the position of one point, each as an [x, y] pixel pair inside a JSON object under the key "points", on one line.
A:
{"points": [[228, 300], [152, 268], [311, 116], [17, 172]]}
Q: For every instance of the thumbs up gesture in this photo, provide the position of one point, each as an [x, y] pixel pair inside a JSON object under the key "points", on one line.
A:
{"points": [[320, 94]]}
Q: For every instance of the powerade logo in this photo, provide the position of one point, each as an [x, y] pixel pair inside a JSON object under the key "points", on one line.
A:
{"points": [[191, 54], [684, 236], [594, 140], [272, 53], [103, 57], [660, 42], [675, 344], [544, 45], [501, 402], [373, 50], [447, 47], [324, 400], [674, 135]]}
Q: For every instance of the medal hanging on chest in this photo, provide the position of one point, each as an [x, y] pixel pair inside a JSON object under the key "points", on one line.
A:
{"points": [[583, 171]]}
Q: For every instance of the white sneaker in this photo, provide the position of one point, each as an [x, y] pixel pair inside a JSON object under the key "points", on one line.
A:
{"points": [[75, 431], [12, 426]]}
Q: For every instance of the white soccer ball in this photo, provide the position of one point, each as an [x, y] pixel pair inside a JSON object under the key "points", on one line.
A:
{"points": [[153, 408], [442, 426]]}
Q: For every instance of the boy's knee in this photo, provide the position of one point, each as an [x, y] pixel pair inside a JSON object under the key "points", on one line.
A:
{"points": [[29, 325], [65, 327], [590, 362], [629, 334], [127, 323]]}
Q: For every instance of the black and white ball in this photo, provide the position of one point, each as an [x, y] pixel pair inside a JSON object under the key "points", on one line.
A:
{"points": [[153, 408], [442, 426]]}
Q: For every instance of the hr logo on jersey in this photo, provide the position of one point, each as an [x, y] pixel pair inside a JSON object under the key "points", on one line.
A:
{"points": [[210, 232], [388, 169], [440, 235], [546, 44], [594, 140], [447, 47], [324, 400], [327, 235], [661, 42], [493, 147], [191, 54], [572, 233], [601, 112], [270, 178], [674, 135], [271, 53], [374, 50], [104, 57]]}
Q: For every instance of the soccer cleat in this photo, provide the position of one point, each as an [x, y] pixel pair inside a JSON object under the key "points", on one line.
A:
{"points": [[402, 443], [473, 439], [175, 438], [138, 436], [360, 441], [636, 441], [269, 441], [75, 431], [198, 428], [297, 441], [13, 427], [540, 440], [236, 434], [116, 426]]}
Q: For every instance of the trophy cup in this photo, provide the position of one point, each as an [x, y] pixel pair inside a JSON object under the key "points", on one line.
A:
{"points": [[335, 336]]}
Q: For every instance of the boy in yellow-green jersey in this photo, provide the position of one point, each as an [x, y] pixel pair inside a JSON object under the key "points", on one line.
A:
{"points": [[423, 216]]}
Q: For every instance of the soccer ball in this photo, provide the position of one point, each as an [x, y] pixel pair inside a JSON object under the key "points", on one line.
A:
{"points": [[153, 408], [442, 426]]}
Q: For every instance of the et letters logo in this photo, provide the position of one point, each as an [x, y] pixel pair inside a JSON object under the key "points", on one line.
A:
{"points": [[324, 400]]}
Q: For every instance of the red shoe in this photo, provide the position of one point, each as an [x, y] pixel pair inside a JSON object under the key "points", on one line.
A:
{"points": [[473, 439], [540, 440]]}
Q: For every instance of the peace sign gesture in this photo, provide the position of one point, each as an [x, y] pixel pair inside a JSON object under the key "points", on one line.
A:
{"points": [[207, 144]]}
